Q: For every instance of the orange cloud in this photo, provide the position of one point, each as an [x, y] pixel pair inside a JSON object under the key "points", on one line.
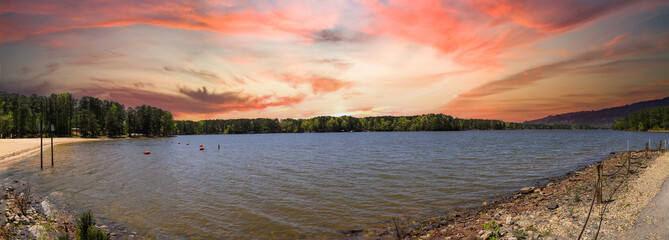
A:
{"points": [[481, 32], [318, 84], [19, 19]]}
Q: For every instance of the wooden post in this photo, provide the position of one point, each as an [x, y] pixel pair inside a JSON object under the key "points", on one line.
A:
{"points": [[628, 162], [41, 146], [52, 129], [659, 148], [598, 187]]}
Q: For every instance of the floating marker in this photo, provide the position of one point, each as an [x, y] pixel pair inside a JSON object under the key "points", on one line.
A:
{"points": [[171, 142], [147, 152], [187, 143], [179, 143], [201, 148], [200, 145]]}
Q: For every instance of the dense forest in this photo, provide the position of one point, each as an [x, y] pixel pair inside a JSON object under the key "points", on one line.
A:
{"points": [[427, 122], [604, 117], [20, 116], [656, 119]]}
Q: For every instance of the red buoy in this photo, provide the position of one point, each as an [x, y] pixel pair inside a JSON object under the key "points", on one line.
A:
{"points": [[179, 143], [187, 143], [147, 152], [200, 145], [201, 148], [171, 142]]}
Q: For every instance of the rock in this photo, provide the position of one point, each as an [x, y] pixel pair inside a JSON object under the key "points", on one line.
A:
{"points": [[47, 207], [537, 190], [552, 206], [470, 238], [485, 234], [526, 190], [513, 238], [36, 230], [484, 204], [523, 223], [508, 221], [349, 231]]}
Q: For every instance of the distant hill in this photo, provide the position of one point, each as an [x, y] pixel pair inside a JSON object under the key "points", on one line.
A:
{"points": [[604, 117]]}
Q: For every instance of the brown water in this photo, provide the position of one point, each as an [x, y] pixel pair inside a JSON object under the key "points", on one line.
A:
{"points": [[305, 185]]}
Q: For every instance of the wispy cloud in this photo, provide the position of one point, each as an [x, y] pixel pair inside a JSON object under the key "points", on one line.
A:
{"points": [[201, 74], [318, 84]]}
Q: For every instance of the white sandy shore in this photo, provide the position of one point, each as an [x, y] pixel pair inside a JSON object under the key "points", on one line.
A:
{"points": [[15, 149]]}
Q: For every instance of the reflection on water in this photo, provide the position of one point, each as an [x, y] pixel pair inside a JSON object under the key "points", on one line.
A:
{"points": [[306, 185]]}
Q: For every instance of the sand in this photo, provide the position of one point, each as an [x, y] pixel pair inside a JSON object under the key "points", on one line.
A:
{"points": [[12, 150]]}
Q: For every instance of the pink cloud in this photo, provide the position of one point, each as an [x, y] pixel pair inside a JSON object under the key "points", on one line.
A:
{"points": [[481, 32], [21, 19], [318, 84]]}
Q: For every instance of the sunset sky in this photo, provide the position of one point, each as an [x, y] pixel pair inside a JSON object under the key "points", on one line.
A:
{"points": [[508, 60]]}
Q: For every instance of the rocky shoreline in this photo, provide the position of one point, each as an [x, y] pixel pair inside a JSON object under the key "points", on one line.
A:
{"points": [[28, 216], [556, 210]]}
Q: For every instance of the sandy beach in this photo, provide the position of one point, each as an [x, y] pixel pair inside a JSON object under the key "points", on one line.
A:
{"points": [[16, 149]]}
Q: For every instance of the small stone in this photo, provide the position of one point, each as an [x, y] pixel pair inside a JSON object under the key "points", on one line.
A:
{"points": [[470, 238], [550, 184], [484, 204], [537, 190], [513, 238], [552, 206], [508, 221], [526, 190], [485, 234]]}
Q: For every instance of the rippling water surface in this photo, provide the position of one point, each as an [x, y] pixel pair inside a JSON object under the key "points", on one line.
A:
{"points": [[306, 185]]}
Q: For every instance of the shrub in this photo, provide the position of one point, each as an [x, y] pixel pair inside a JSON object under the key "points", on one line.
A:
{"points": [[86, 229]]}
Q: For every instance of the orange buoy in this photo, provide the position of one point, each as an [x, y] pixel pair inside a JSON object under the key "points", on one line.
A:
{"points": [[187, 143], [179, 143], [171, 142], [200, 145], [201, 148], [147, 152]]}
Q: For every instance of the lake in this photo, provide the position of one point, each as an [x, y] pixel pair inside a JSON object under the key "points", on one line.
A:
{"points": [[306, 184]]}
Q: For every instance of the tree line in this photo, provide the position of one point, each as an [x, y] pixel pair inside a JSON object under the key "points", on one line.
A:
{"points": [[20, 116], [91, 117], [427, 122], [656, 119]]}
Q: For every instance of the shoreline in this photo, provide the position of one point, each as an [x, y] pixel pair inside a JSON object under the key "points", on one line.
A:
{"points": [[17, 149], [29, 215], [554, 210]]}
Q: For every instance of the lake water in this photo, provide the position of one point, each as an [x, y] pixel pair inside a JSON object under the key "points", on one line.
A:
{"points": [[308, 184]]}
